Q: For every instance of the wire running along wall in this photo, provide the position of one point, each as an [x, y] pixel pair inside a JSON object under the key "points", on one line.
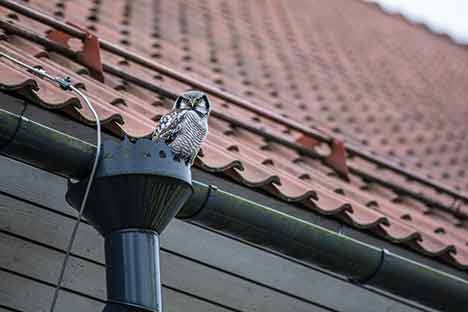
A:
{"points": [[65, 83]]}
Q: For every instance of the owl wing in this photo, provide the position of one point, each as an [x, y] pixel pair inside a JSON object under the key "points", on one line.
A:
{"points": [[169, 126]]}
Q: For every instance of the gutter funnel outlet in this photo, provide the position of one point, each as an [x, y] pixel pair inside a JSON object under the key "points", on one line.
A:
{"points": [[138, 189]]}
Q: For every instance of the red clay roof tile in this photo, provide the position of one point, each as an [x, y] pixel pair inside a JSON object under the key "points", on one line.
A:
{"points": [[367, 81]]}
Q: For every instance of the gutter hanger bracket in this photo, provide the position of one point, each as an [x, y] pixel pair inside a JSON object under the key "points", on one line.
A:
{"points": [[199, 201], [367, 278], [209, 193], [7, 138]]}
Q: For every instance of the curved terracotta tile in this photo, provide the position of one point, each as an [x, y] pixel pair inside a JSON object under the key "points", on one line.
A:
{"points": [[28, 47], [214, 160], [290, 191], [421, 222], [364, 218], [43, 92], [284, 152], [105, 112], [328, 204], [289, 188], [253, 176], [247, 138], [285, 187], [134, 127], [432, 247], [459, 258], [399, 232], [21, 85], [91, 87], [49, 97]]}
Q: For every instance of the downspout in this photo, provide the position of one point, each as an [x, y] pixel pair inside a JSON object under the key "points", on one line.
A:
{"points": [[226, 212], [137, 190]]}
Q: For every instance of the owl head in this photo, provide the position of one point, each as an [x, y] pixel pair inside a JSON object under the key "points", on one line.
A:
{"points": [[194, 100]]}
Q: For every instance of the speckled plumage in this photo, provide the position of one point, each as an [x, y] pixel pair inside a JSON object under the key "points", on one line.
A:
{"points": [[185, 127]]}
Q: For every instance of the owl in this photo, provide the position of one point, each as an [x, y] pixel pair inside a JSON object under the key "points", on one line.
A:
{"points": [[185, 127]]}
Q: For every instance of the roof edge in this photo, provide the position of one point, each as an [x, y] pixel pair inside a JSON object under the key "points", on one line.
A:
{"points": [[443, 35]]}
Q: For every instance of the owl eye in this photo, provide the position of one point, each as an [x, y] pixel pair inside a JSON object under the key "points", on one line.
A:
{"points": [[182, 103]]}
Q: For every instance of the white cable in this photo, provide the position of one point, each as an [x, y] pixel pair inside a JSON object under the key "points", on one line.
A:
{"points": [[65, 84], [85, 197]]}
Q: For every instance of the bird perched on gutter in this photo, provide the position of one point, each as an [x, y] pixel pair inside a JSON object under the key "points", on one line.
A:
{"points": [[185, 127]]}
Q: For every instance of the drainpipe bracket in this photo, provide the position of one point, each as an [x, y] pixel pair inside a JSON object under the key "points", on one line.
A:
{"points": [[197, 203], [11, 124], [366, 278]]}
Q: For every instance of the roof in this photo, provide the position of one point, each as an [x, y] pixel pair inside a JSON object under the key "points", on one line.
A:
{"points": [[413, 15], [344, 68]]}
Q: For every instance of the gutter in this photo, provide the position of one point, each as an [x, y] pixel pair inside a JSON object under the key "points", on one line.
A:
{"points": [[43, 147], [22, 139]]}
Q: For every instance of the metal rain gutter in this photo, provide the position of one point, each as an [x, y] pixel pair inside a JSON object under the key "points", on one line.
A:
{"points": [[259, 224], [50, 150], [359, 262]]}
